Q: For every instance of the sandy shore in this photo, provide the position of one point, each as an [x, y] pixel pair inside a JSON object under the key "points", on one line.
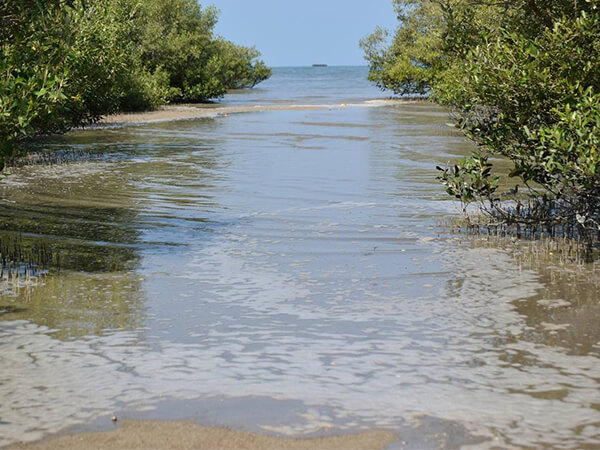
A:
{"points": [[186, 112], [180, 112], [185, 435]]}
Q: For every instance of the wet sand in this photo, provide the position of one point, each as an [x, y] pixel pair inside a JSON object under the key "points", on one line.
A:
{"points": [[186, 435], [171, 113], [193, 111]]}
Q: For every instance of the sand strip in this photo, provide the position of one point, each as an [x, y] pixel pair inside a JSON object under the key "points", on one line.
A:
{"points": [[193, 111], [186, 435], [172, 113]]}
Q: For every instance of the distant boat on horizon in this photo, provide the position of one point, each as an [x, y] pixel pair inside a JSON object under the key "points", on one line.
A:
{"points": [[319, 65]]}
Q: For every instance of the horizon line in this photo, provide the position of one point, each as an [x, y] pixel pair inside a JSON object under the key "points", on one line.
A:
{"points": [[311, 65]]}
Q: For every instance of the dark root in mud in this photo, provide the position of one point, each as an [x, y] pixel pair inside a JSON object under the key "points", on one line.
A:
{"points": [[561, 258], [567, 212], [575, 220], [537, 229], [565, 204], [24, 262], [50, 158]]}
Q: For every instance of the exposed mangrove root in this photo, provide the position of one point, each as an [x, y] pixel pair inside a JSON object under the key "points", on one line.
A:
{"points": [[24, 262], [559, 259], [559, 245], [532, 215], [51, 158]]}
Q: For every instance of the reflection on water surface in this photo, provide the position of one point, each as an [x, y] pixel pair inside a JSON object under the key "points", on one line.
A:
{"points": [[288, 261]]}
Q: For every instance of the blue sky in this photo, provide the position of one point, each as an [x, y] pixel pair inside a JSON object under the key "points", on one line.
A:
{"points": [[303, 32]]}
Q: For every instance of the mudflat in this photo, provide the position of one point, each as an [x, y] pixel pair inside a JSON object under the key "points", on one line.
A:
{"points": [[186, 435]]}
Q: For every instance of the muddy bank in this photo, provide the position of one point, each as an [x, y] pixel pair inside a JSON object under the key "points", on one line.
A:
{"points": [[183, 435]]}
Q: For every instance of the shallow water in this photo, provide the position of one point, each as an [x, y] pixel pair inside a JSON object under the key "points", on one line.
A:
{"points": [[286, 271]]}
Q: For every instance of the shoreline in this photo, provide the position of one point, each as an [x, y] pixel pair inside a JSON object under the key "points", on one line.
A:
{"points": [[171, 113], [139, 435]]}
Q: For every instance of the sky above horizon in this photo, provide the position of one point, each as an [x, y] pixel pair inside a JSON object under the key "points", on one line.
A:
{"points": [[301, 33]]}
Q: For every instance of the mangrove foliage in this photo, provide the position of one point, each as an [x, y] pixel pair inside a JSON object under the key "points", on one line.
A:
{"points": [[66, 63], [523, 80]]}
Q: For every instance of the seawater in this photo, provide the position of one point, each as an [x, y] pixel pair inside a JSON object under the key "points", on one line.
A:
{"points": [[311, 86], [287, 271]]}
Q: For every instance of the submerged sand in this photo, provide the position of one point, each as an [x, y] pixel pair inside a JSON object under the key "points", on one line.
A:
{"points": [[186, 435]]}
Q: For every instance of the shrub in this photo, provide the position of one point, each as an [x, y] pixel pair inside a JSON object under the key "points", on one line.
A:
{"points": [[66, 63], [523, 80], [147, 91]]}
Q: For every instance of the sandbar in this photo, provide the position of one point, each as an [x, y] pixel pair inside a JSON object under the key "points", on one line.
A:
{"points": [[169, 113], [177, 112], [138, 435]]}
